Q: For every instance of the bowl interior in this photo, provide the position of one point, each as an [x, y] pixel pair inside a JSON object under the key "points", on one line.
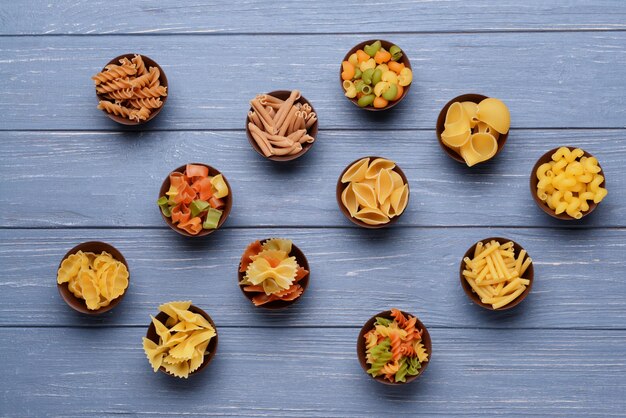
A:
{"points": [[228, 202], [529, 274], [212, 347], [280, 304], [542, 205], [79, 304], [361, 350], [404, 60], [149, 62], [341, 187], [284, 95], [441, 119]]}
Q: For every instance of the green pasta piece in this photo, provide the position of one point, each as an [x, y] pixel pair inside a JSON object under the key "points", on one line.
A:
{"points": [[367, 76], [366, 100], [396, 53], [212, 219], [402, 372], [414, 366], [365, 89], [357, 74], [164, 206], [197, 207], [391, 92], [380, 355], [383, 321], [372, 49], [377, 76]]}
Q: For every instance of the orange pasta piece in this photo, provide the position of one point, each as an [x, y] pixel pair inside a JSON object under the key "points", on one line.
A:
{"points": [[400, 92], [380, 102], [382, 56], [193, 225], [301, 273], [348, 71], [203, 188], [395, 66], [194, 170], [216, 203], [180, 213], [262, 299], [361, 56], [257, 288], [252, 249], [177, 179]]}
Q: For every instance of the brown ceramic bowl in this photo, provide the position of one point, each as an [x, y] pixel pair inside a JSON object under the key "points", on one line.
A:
{"points": [[361, 350], [529, 274], [404, 60], [211, 348], [341, 187], [284, 95], [542, 205], [149, 62], [280, 304], [476, 98], [228, 201], [79, 304]]}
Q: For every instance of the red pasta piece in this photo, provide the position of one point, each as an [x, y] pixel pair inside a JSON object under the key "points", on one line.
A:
{"points": [[295, 294], [177, 179], [408, 350], [203, 188], [263, 299], [256, 288], [252, 249], [399, 317], [287, 292], [180, 213], [395, 346], [216, 203], [409, 327], [301, 273], [194, 170], [193, 225]]}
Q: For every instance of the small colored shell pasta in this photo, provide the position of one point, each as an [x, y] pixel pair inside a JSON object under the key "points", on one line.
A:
{"points": [[375, 191], [195, 200], [472, 129], [271, 272], [374, 76], [569, 181], [98, 279]]}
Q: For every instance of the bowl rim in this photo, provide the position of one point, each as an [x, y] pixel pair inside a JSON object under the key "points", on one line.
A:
{"points": [[340, 187], [279, 304], [534, 181], [228, 201], [79, 304], [162, 78], [361, 351], [211, 348], [385, 44], [529, 274], [312, 131], [441, 118]]}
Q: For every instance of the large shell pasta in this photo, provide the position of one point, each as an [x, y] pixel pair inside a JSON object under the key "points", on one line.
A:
{"points": [[375, 192]]}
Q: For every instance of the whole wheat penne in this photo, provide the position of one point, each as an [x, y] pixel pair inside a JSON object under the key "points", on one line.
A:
{"points": [[295, 136], [295, 148], [260, 139], [310, 120], [280, 141], [285, 107], [306, 139], [270, 111], [254, 118], [284, 128], [263, 115]]}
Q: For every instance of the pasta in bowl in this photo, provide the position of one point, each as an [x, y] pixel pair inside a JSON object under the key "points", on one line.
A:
{"points": [[567, 183], [394, 347], [93, 277], [372, 192]]}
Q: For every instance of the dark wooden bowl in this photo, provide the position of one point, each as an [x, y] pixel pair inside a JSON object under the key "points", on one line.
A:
{"points": [[211, 348], [542, 205], [280, 304], [361, 350], [78, 304], [404, 60], [341, 187], [471, 97], [529, 274], [284, 95], [228, 202], [149, 62]]}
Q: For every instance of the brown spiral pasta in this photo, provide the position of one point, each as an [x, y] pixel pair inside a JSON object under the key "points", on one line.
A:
{"points": [[123, 94], [147, 92], [141, 67], [156, 74], [149, 103], [145, 80], [116, 109], [141, 114], [119, 84], [114, 71]]}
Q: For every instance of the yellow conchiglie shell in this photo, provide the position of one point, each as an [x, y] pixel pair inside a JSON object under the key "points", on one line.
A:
{"points": [[479, 148], [456, 141], [348, 199], [455, 113], [399, 199], [482, 127], [494, 113], [356, 172], [384, 185], [377, 165], [471, 109], [372, 216], [365, 195], [397, 179]]}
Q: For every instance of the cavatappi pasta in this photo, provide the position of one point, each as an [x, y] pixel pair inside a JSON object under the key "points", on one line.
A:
{"points": [[131, 90], [97, 278], [375, 192], [472, 130], [496, 273], [569, 181], [183, 340], [394, 348], [280, 127]]}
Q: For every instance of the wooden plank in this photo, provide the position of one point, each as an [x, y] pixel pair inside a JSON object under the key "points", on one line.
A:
{"points": [[314, 372], [355, 273], [112, 179], [547, 79], [253, 16]]}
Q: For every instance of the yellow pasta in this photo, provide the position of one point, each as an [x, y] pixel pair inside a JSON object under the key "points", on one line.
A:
{"points": [[97, 278], [569, 181], [495, 274]]}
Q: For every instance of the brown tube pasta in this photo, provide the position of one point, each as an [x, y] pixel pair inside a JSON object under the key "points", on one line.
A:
{"points": [[281, 115], [254, 118], [285, 127], [263, 115], [259, 138]]}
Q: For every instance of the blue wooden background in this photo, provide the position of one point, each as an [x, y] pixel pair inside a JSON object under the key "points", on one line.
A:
{"points": [[69, 174]]}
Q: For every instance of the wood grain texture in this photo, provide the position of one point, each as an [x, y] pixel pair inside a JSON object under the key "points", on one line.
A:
{"points": [[354, 273], [547, 79], [113, 179], [254, 16], [314, 372]]}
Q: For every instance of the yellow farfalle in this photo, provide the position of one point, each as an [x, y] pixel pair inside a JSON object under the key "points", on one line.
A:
{"points": [[273, 269]]}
